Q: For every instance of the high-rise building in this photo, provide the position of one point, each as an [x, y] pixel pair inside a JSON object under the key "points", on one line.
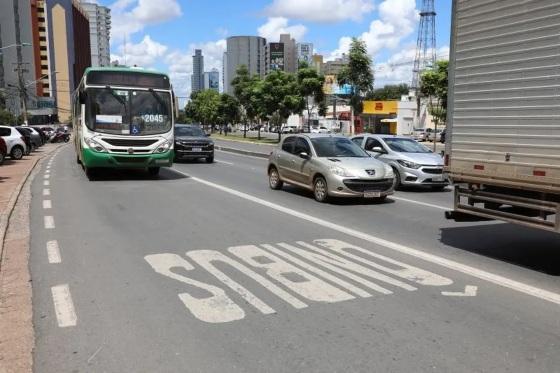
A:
{"points": [[212, 80], [99, 33], [305, 53], [197, 82], [290, 53], [334, 67], [317, 63], [53, 52], [244, 50]]}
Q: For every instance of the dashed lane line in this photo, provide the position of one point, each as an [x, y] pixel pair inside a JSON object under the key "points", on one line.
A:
{"points": [[46, 183], [447, 263], [224, 162], [47, 204], [53, 252], [46, 192], [49, 222], [242, 155], [63, 306]]}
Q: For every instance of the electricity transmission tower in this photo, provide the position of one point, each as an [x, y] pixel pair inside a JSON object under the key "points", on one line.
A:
{"points": [[426, 43]]}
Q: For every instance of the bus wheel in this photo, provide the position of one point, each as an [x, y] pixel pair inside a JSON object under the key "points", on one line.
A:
{"points": [[153, 171]]}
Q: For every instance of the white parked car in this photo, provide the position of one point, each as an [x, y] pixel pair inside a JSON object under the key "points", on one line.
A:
{"points": [[433, 134], [419, 134], [290, 129], [14, 142], [320, 130]]}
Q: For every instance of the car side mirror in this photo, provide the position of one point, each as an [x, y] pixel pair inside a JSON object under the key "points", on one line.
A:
{"points": [[304, 155], [378, 149]]}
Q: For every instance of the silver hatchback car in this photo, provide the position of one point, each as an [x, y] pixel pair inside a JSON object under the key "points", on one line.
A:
{"points": [[330, 166], [412, 162]]}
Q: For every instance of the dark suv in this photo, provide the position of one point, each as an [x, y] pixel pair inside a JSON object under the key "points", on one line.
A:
{"points": [[192, 143]]}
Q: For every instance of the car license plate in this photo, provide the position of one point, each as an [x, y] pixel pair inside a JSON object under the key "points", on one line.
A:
{"points": [[372, 194], [197, 150], [438, 178]]}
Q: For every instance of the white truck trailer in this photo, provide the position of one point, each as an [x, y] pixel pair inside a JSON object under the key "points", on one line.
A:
{"points": [[503, 132]]}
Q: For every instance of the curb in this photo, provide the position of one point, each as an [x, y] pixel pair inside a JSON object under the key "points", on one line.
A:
{"points": [[6, 215], [244, 141], [240, 151]]}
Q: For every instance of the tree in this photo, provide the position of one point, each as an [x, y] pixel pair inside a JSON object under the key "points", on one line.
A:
{"points": [[389, 92], [310, 85], [7, 118], [228, 110], [280, 97], [205, 105], [358, 74], [433, 84], [242, 86]]}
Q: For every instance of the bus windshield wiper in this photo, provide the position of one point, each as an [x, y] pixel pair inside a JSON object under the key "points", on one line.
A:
{"points": [[116, 96], [156, 96]]}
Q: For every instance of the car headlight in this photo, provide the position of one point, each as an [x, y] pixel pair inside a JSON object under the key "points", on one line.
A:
{"points": [[340, 171], [94, 145], [163, 147], [389, 174], [408, 164]]}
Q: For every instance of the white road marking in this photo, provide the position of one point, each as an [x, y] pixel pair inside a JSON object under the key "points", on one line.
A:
{"points": [[470, 291], [224, 162], [205, 259], [47, 176], [49, 222], [421, 203], [47, 204], [63, 306], [47, 171], [243, 155], [218, 308], [53, 252], [306, 285], [46, 192], [447, 263], [46, 183]]}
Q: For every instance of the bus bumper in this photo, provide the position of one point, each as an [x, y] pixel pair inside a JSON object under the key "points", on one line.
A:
{"points": [[94, 159]]}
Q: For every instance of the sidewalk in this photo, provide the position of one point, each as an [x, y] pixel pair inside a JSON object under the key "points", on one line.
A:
{"points": [[16, 336]]}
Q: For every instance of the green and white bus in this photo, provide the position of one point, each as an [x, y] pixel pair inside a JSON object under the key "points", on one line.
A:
{"points": [[123, 118]]}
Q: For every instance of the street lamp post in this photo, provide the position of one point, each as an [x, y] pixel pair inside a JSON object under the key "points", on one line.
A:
{"points": [[15, 45], [21, 88]]}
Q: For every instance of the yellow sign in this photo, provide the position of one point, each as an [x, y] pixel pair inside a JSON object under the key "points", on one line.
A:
{"points": [[380, 107]]}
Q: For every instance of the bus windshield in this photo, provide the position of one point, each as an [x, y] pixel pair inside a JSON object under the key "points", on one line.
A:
{"points": [[128, 112]]}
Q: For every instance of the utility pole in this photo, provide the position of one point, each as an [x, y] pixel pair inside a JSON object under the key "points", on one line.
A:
{"points": [[19, 69]]}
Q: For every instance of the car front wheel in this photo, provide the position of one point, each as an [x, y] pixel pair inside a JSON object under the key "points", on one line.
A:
{"points": [[320, 190], [396, 180], [274, 179]]}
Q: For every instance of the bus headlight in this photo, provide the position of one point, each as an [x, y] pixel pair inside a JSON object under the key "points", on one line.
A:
{"points": [[94, 145], [163, 147]]}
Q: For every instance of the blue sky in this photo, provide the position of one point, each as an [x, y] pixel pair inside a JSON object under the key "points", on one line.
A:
{"points": [[162, 34]]}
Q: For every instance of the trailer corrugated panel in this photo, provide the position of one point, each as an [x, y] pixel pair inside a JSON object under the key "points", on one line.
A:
{"points": [[504, 108]]}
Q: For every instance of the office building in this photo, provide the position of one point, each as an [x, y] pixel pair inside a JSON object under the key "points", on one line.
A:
{"points": [[317, 62], [212, 80], [197, 78], [334, 67], [99, 33], [290, 53], [244, 50], [282, 55], [305, 53]]}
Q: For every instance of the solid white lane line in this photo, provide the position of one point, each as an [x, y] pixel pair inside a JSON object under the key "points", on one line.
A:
{"points": [[47, 204], [49, 222], [242, 155], [46, 192], [421, 203], [53, 252], [224, 162], [63, 306], [46, 183], [447, 263]]}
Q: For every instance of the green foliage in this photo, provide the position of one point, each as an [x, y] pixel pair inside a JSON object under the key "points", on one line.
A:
{"points": [[228, 109], [434, 84], [358, 74], [7, 118], [389, 92], [205, 106]]}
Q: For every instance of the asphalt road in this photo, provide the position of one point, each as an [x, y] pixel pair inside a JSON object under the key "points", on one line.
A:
{"points": [[207, 270]]}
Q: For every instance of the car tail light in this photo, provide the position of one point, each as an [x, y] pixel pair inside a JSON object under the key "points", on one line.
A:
{"points": [[539, 173], [447, 159], [479, 167]]}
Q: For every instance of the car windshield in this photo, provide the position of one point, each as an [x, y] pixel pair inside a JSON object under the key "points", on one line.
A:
{"points": [[406, 145], [189, 131], [337, 147], [128, 112]]}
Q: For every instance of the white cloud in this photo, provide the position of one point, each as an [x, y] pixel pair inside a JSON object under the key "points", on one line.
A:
{"points": [[131, 16], [397, 20], [275, 26], [144, 54], [180, 64], [398, 68], [321, 10]]}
